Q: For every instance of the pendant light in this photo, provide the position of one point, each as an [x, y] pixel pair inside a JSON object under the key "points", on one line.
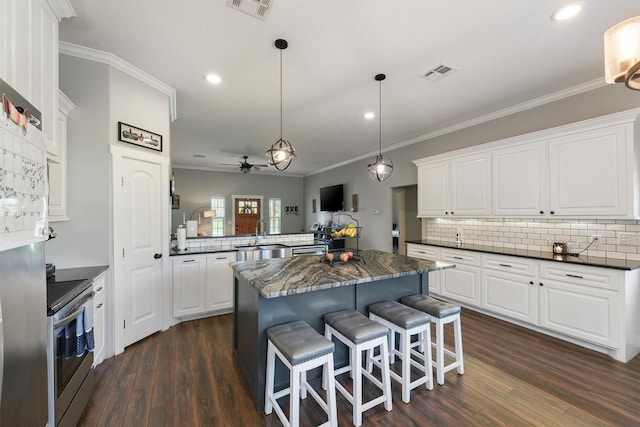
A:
{"points": [[622, 53], [281, 153], [380, 168]]}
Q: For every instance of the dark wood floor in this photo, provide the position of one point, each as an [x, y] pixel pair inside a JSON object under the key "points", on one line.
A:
{"points": [[186, 376]]}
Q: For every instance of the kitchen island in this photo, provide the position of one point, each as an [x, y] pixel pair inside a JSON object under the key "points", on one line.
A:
{"points": [[272, 292]]}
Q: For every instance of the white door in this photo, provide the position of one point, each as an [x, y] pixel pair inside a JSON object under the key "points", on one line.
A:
{"points": [[138, 241]]}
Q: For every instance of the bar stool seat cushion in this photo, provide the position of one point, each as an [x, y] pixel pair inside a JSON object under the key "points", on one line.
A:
{"points": [[432, 306], [299, 342], [355, 326], [399, 314]]}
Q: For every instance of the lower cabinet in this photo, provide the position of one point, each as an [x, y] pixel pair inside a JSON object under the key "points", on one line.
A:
{"points": [[431, 253], [202, 283], [592, 306], [99, 318]]}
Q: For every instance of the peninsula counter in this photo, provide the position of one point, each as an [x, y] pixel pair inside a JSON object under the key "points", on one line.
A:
{"points": [[276, 291]]}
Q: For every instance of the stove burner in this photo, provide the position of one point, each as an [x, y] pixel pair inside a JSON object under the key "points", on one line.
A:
{"points": [[60, 294]]}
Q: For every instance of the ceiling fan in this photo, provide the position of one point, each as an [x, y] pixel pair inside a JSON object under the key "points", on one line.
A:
{"points": [[245, 166]]}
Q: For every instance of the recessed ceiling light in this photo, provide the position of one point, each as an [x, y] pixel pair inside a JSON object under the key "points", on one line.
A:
{"points": [[567, 11], [213, 79], [369, 115]]}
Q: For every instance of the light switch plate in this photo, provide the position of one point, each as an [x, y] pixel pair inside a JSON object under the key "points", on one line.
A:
{"points": [[629, 239]]}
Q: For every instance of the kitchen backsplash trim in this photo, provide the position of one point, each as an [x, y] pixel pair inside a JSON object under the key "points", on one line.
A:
{"points": [[538, 234]]}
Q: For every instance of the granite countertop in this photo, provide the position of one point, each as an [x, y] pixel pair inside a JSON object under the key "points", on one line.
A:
{"points": [[619, 264], [285, 276], [229, 248]]}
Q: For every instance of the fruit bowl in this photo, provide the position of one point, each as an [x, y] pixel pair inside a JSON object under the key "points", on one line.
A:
{"points": [[340, 258]]}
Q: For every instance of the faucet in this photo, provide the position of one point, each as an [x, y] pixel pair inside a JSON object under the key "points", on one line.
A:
{"points": [[458, 238], [264, 228]]}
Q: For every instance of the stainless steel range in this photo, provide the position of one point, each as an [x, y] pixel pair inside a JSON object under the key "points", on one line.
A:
{"points": [[69, 357]]}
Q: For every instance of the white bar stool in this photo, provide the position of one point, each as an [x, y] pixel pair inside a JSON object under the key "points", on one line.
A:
{"points": [[300, 348], [360, 334], [406, 322], [442, 313]]}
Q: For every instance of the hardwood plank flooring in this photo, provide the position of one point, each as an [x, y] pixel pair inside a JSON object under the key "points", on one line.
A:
{"points": [[187, 376]]}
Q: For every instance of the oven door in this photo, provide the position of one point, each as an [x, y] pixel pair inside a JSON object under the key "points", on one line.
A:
{"points": [[71, 360]]}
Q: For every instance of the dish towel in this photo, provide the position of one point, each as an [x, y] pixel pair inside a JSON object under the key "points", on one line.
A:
{"points": [[80, 342], [88, 325]]}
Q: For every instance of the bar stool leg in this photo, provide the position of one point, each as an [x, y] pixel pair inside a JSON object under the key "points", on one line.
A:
{"points": [[439, 363], [271, 355], [425, 344], [458, 341], [406, 366], [356, 369], [386, 378], [332, 406]]}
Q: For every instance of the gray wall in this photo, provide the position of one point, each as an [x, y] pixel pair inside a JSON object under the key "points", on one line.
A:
{"points": [[196, 187], [84, 239], [377, 196]]}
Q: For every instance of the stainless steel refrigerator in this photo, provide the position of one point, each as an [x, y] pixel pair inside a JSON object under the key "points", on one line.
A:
{"points": [[23, 336]]}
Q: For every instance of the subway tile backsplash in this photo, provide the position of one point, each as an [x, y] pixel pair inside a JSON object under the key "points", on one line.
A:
{"points": [[538, 234]]}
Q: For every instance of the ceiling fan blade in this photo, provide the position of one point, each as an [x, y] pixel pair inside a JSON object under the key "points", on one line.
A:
{"points": [[229, 164]]}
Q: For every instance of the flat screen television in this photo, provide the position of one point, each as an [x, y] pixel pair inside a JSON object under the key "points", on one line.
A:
{"points": [[331, 198]]}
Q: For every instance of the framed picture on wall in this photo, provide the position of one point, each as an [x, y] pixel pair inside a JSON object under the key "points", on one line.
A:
{"points": [[140, 137]]}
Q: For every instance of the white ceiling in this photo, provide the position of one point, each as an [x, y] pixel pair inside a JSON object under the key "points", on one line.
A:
{"points": [[508, 52]]}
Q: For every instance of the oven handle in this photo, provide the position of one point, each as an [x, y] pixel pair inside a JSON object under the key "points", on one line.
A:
{"points": [[74, 314]]}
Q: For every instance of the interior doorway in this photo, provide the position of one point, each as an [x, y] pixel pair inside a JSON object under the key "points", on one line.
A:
{"points": [[405, 222], [247, 211]]}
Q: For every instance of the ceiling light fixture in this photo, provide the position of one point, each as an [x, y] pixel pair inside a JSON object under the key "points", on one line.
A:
{"points": [[380, 168], [369, 115], [281, 153], [567, 11], [622, 53], [213, 79]]}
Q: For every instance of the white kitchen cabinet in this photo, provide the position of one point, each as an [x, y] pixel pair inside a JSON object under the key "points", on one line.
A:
{"points": [[520, 180], [99, 318], [461, 283], [219, 282], [202, 284], [431, 253], [590, 172], [457, 187], [57, 164], [189, 280], [509, 294]]}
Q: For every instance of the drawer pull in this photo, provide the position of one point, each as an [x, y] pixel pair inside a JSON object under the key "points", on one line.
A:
{"points": [[458, 257], [575, 275], [221, 257], [421, 252], [504, 265], [99, 289], [189, 260], [99, 306]]}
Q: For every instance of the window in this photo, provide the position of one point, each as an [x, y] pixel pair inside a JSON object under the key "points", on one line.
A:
{"points": [[275, 216], [217, 222]]}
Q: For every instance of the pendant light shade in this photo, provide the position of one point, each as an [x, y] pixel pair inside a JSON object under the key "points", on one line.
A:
{"points": [[281, 153], [380, 168], [622, 53]]}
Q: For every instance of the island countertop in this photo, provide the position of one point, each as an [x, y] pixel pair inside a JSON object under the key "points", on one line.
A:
{"points": [[286, 276]]}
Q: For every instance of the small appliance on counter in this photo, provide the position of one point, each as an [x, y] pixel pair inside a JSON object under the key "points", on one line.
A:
{"points": [[559, 248], [182, 238]]}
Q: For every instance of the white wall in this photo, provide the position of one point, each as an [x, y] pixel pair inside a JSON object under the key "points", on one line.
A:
{"points": [[196, 187], [377, 196]]}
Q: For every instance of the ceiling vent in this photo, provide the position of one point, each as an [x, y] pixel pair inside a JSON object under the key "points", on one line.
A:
{"points": [[256, 8], [438, 73]]}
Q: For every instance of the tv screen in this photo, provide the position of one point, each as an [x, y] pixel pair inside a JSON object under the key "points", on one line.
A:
{"points": [[331, 198]]}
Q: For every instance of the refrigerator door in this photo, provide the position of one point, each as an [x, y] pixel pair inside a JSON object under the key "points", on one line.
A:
{"points": [[23, 297]]}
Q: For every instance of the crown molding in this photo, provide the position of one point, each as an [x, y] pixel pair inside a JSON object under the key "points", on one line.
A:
{"points": [[118, 63], [555, 96], [214, 169], [61, 8]]}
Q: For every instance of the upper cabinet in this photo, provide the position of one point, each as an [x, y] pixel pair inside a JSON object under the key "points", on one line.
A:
{"points": [[57, 164], [461, 186], [585, 169]]}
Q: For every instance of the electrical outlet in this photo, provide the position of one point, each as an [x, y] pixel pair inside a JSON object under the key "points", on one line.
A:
{"points": [[629, 239], [596, 239]]}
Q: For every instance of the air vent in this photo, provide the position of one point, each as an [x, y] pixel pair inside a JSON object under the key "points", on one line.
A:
{"points": [[438, 73], [256, 8]]}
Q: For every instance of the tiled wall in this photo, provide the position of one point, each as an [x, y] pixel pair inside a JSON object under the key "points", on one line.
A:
{"points": [[220, 242], [538, 234]]}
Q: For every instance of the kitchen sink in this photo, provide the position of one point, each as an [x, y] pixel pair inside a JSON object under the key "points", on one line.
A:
{"points": [[256, 252]]}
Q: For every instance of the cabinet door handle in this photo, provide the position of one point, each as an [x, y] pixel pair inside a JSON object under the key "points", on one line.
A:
{"points": [[541, 212], [157, 256], [99, 289], [552, 212], [504, 265], [99, 306], [575, 275], [541, 284], [531, 282], [458, 257]]}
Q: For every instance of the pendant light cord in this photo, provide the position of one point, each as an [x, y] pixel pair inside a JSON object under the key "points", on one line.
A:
{"points": [[380, 118], [280, 93]]}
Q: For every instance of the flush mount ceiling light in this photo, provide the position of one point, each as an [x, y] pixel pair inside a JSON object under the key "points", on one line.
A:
{"points": [[281, 153], [567, 11], [369, 115], [622, 53], [380, 168]]}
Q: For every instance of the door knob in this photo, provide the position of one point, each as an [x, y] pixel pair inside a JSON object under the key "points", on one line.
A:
{"points": [[157, 256]]}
